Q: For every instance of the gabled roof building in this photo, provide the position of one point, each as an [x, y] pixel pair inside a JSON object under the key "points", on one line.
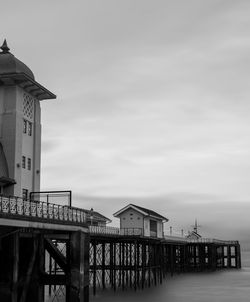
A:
{"points": [[96, 219], [136, 220]]}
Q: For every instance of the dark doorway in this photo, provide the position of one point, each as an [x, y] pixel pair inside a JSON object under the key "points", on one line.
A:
{"points": [[153, 228]]}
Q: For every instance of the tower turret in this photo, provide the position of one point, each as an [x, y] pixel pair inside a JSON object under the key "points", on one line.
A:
{"points": [[20, 126]]}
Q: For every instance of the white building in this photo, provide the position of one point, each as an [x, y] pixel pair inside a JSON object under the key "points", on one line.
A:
{"points": [[135, 220], [20, 126]]}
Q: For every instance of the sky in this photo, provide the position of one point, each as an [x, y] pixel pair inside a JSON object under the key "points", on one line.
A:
{"points": [[152, 104]]}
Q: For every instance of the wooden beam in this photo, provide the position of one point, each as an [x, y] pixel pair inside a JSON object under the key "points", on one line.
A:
{"points": [[14, 292], [29, 272], [78, 288], [56, 254]]}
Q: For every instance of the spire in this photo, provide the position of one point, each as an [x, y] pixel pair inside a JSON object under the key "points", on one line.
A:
{"points": [[4, 47], [196, 226]]}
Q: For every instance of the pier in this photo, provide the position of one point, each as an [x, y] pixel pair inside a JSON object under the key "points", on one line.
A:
{"points": [[135, 261], [49, 250]]}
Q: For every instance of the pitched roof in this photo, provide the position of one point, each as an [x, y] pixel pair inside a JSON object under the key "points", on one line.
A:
{"points": [[193, 234], [144, 211], [97, 217]]}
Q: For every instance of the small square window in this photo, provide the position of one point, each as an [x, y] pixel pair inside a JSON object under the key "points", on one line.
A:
{"points": [[23, 162], [24, 126], [29, 128], [29, 163]]}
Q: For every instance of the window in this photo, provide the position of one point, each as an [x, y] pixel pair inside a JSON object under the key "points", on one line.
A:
{"points": [[23, 162], [29, 128], [29, 163], [25, 194], [24, 126]]}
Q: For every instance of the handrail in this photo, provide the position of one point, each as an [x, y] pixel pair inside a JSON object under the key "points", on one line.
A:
{"points": [[131, 231], [94, 229], [39, 209], [212, 240], [200, 240], [115, 231]]}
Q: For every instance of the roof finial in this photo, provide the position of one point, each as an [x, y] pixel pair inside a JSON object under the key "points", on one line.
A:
{"points": [[4, 47]]}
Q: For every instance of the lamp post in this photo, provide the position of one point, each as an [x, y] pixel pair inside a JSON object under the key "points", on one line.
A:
{"points": [[91, 216]]}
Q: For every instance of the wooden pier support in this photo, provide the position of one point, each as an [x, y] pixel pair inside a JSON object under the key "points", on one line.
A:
{"points": [[35, 263], [24, 265], [77, 288], [129, 262]]}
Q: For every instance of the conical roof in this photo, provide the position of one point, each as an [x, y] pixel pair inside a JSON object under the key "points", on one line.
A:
{"points": [[9, 64]]}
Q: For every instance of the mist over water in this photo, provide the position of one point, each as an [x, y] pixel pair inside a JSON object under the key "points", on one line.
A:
{"points": [[226, 285]]}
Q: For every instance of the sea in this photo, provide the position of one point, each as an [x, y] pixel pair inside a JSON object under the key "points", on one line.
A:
{"points": [[220, 286]]}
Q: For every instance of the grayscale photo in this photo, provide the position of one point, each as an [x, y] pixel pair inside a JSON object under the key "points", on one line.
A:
{"points": [[125, 151]]}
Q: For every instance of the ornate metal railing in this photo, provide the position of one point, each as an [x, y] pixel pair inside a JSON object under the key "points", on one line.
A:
{"points": [[131, 231], [37, 209], [115, 231], [200, 240], [94, 229], [211, 240]]}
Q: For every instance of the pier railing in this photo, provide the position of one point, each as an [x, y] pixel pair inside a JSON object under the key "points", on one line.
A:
{"points": [[131, 231], [94, 229], [10, 206], [105, 230], [200, 240], [212, 240], [139, 232]]}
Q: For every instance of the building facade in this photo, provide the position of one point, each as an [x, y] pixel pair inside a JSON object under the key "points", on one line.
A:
{"points": [[20, 126]]}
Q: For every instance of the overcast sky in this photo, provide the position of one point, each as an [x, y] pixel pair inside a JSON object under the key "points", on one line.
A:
{"points": [[153, 104]]}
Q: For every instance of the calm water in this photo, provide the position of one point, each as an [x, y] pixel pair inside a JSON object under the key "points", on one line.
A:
{"points": [[228, 286]]}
